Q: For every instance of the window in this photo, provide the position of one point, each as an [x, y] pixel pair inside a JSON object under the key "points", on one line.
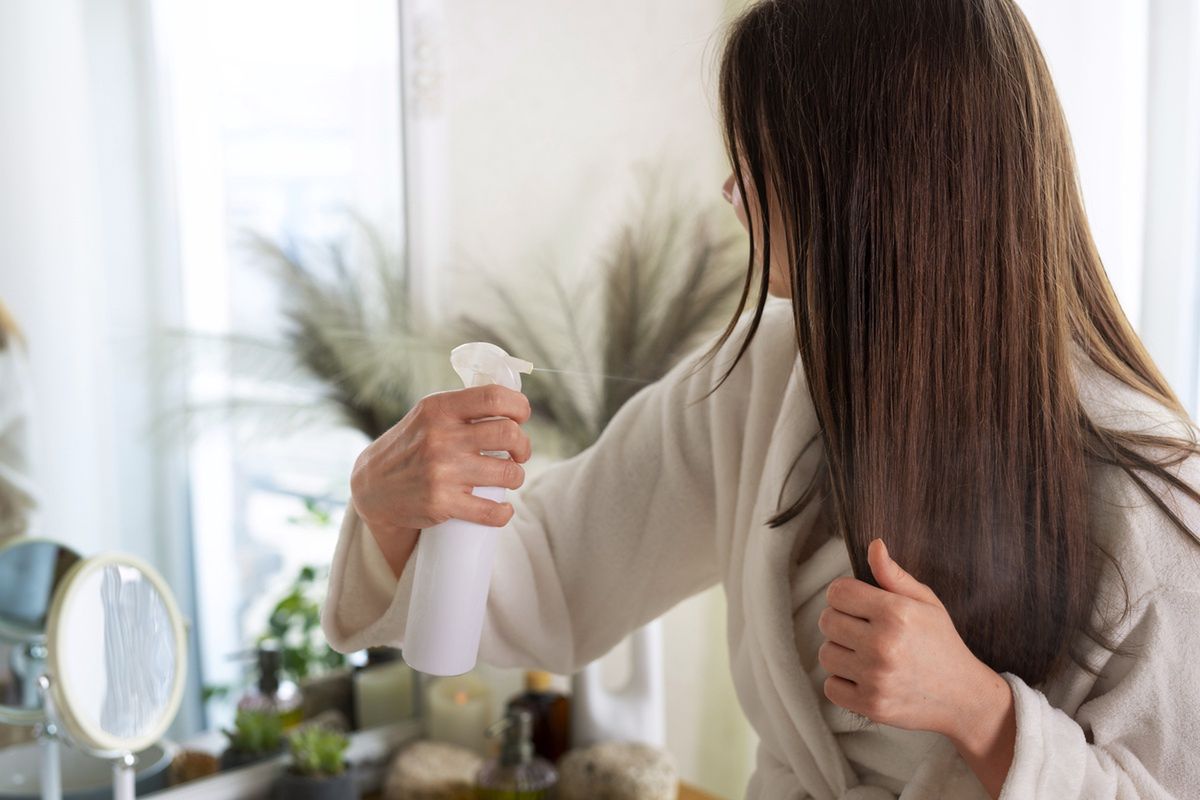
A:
{"points": [[280, 117]]}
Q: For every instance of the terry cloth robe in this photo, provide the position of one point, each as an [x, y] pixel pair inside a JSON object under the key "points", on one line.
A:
{"points": [[675, 496], [17, 499]]}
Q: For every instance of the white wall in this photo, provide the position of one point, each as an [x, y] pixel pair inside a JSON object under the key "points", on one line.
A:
{"points": [[552, 108]]}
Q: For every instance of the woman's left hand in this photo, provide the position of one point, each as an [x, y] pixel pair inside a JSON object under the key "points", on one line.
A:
{"points": [[894, 656]]}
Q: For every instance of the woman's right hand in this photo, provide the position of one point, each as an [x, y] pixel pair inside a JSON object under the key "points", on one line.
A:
{"points": [[421, 472]]}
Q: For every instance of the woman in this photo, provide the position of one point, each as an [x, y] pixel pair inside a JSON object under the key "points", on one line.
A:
{"points": [[948, 372], [16, 491]]}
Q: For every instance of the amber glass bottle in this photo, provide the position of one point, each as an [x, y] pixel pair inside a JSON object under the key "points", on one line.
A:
{"points": [[551, 712]]}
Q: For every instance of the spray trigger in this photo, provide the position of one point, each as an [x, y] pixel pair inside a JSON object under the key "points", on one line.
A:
{"points": [[482, 363]]}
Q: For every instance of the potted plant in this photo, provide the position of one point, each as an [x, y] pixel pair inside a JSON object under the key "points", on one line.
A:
{"points": [[256, 735], [318, 767]]}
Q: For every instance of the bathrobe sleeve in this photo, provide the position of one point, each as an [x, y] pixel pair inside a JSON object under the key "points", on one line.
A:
{"points": [[17, 498], [1137, 739], [600, 544]]}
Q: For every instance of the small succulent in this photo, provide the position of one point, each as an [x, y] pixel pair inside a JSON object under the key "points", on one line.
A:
{"points": [[255, 732], [318, 752]]}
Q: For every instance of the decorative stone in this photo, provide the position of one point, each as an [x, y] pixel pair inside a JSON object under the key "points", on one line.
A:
{"points": [[432, 771], [617, 771], [191, 765]]}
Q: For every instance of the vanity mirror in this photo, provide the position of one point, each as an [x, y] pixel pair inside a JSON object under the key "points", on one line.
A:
{"points": [[31, 571], [116, 660]]}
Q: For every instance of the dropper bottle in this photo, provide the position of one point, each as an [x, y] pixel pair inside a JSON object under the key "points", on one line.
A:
{"points": [[516, 774]]}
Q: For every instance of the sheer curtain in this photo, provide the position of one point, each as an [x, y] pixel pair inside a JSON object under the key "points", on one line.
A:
{"points": [[82, 229], [1128, 73]]}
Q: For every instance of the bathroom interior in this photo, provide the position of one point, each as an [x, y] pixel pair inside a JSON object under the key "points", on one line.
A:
{"points": [[239, 240]]}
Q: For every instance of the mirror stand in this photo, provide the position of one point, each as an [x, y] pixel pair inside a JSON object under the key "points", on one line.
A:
{"points": [[48, 744], [124, 774]]}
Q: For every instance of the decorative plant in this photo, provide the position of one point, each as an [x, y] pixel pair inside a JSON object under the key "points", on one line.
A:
{"points": [[667, 281], [296, 623], [354, 344], [318, 752], [355, 331], [352, 348], [255, 732]]}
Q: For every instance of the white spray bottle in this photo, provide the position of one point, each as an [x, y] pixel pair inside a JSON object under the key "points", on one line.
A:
{"points": [[454, 559]]}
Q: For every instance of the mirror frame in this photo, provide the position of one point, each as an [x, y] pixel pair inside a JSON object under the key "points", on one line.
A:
{"points": [[28, 717], [81, 730]]}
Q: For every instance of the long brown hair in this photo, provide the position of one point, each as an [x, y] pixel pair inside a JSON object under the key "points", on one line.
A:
{"points": [[942, 271]]}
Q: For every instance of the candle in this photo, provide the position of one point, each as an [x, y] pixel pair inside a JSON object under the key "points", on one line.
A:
{"points": [[383, 694], [460, 710]]}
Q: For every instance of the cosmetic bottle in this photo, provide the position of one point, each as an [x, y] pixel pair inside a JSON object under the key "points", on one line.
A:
{"points": [[271, 693], [454, 559], [516, 774], [551, 712]]}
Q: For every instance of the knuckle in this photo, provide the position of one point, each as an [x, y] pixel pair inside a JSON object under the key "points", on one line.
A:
{"points": [[493, 396], [525, 445], [438, 506], [359, 477], [833, 592], [823, 655], [438, 473], [514, 475], [426, 407], [441, 483], [886, 653], [432, 444], [874, 701], [497, 515], [512, 433]]}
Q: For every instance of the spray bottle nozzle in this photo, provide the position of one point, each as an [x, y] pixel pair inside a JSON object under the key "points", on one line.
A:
{"points": [[482, 363]]}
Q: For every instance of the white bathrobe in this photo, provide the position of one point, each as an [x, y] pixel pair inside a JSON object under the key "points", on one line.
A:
{"points": [[674, 498]]}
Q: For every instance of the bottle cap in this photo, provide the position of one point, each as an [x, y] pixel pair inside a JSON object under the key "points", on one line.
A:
{"points": [[482, 363], [538, 681]]}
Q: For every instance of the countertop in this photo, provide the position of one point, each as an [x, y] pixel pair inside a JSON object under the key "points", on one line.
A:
{"points": [[685, 793]]}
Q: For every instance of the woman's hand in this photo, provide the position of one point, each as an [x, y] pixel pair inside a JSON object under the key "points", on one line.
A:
{"points": [[894, 656], [421, 472]]}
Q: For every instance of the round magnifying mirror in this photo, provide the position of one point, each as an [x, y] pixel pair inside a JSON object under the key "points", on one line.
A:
{"points": [[31, 571], [117, 655]]}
